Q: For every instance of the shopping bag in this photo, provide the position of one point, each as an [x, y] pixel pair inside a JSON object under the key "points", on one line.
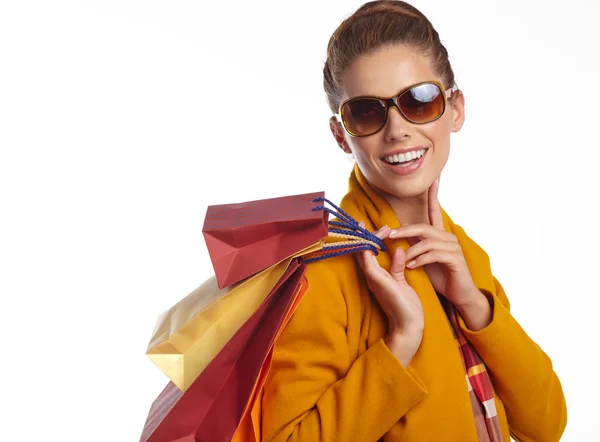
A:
{"points": [[230, 404], [212, 407], [249, 427], [246, 238], [190, 334]]}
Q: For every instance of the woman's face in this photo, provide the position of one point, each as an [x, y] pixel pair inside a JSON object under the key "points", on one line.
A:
{"points": [[383, 74]]}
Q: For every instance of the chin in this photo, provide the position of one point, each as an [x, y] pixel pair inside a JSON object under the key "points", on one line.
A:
{"points": [[407, 186]]}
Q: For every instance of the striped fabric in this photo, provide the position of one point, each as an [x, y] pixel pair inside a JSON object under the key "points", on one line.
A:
{"points": [[478, 381]]}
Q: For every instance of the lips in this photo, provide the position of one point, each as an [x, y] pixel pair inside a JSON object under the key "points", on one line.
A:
{"points": [[408, 168]]}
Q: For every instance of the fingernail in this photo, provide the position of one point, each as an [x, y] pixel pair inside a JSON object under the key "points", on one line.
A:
{"points": [[395, 231], [411, 264]]}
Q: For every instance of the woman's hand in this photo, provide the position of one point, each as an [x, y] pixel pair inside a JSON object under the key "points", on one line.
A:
{"points": [[397, 299], [441, 255]]}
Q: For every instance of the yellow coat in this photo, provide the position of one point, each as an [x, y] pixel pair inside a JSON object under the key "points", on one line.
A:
{"points": [[334, 379]]}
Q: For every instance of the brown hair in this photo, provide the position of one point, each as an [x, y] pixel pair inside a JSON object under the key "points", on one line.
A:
{"points": [[377, 24]]}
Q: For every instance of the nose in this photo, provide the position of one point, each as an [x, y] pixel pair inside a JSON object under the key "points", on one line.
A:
{"points": [[396, 126]]}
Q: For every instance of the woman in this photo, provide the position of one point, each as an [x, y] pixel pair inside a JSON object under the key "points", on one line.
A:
{"points": [[417, 343]]}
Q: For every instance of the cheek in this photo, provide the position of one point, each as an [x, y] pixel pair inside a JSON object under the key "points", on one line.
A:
{"points": [[439, 134], [362, 148]]}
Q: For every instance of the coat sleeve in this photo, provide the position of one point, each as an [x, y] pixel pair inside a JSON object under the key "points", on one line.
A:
{"points": [[315, 391], [521, 372]]}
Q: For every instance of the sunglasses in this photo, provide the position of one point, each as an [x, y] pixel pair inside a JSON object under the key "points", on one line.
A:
{"points": [[419, 104]]}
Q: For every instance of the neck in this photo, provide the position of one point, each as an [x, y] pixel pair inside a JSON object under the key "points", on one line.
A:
{"points": [[411, 210]]}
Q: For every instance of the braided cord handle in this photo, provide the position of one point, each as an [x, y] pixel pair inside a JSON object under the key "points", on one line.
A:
{"points": [[356, 237]]}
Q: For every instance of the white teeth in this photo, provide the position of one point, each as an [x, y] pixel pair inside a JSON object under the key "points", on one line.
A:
{"points": [[403, 158]]}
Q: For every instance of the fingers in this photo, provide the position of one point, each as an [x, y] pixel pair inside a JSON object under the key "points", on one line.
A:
{"points": [[422, 230], [366, 259], [412, 240], [451, 260], [435, 212], [371, 268], [382, 233], [397, 267], [428, 245]]}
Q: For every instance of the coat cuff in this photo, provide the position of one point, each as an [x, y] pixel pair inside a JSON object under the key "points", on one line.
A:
{"points": [[409, 385]]}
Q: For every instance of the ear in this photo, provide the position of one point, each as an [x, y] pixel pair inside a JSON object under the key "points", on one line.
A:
{"points": [[458, 110], [338, 133]]}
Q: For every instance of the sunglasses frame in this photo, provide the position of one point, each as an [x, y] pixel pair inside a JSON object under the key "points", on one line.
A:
{"points": [[393, 101]]}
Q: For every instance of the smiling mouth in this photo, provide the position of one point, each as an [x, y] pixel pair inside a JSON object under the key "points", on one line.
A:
{"points": [[405, 159]]}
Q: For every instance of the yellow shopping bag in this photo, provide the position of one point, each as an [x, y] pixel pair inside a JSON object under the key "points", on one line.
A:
{"points": [[191, 333]]}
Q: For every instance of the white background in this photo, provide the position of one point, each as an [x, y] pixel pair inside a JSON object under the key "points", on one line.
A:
{"points": [[120, 121]]}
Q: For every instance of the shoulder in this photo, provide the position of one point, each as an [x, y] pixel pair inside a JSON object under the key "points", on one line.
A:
{"points": [[472, 251], [333, 283], [479, 264], [336, 274]]}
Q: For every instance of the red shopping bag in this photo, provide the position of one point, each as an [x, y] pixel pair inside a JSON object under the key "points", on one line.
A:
{"points": [[212, 407], [248, 375], [246, 238], [249, 427]]}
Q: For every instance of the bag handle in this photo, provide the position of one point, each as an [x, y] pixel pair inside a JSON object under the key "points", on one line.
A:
{"points": [[357, 238]]}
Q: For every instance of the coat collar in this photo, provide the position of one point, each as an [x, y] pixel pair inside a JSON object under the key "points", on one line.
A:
{"points": [[364, 203]]}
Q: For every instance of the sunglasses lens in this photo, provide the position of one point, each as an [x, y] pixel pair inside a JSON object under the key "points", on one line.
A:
{"points": [[422, 103], [363, 116]]}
